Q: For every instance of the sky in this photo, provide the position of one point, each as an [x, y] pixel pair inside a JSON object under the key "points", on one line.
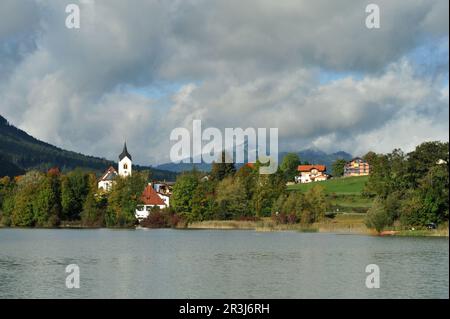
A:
{"points": [[137, 69]]}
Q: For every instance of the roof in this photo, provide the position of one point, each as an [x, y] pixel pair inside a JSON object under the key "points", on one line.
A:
{"points": [[124, 153], [109, 175], [308, 168], [151, 197], [356, 159]]}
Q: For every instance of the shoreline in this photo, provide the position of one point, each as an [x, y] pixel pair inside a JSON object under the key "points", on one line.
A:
{"points": [[329, 226], [352, 224]]}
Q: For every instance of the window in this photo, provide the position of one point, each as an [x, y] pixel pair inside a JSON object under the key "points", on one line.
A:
{"points": [[125, 166]]}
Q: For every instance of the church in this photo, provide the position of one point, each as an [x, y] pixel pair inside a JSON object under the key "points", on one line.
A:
{"points": [[125, 168]]}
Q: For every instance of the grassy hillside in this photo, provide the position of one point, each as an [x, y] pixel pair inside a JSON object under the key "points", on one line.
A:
{"points": [[345, 193], [22, 152], [339, 186]]}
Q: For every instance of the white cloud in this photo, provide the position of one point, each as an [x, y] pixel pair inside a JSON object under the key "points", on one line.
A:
{"points": [[256, 64]]}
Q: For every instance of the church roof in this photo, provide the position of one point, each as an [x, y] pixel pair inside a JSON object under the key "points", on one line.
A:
{"points": [[109, 175], [124, 153], [150, 197]]}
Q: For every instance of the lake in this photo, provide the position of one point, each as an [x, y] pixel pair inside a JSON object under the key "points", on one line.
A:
{"points": [[165, 263]]}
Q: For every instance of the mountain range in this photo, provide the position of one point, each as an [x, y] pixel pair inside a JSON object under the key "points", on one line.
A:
{"points": [[20, 152], [311, 156]]}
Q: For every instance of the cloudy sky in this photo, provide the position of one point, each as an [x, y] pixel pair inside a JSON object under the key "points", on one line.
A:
{"points": [[137, 69]]}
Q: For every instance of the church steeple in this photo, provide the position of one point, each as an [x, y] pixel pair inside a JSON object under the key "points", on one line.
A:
{"points": [[124, 153], [125, 163]]}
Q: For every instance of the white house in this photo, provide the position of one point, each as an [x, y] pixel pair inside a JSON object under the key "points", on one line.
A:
{"points": [[311, 173], [107, 179], [150, 198]]}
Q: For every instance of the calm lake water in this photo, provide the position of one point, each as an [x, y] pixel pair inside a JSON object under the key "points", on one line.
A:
{"points": [[218, 264]]}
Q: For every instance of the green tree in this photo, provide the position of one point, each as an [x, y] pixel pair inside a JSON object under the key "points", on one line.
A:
{"points": [[315, 205], [338, 167], [125, 195], [425, 156], [94, 206], [74, 189], [231, 201], [289, 166], [222, 169], [267, 190], [183, 192], [203, 200], [377, 217], [46, 203]]}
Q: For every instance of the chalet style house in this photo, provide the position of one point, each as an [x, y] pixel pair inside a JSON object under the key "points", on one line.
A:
{"points": [[311, 173], [356, 167]]}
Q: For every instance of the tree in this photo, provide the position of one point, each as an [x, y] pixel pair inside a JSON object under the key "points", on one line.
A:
{"points": [[293, 206], [338, 167], [74, 189], [267, 190], [315, 205], [183, 192], [369, 157], [425, 155], [289, 166], [412, 188], [377, 217], [203, 201], [125, 195], [222, 169], [94, 206], [7, 193], [231, 200], [248, 177], [23, 213], [46, 203]]}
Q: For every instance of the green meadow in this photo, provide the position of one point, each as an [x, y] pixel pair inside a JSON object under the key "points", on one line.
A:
{"points": [[344, 193], [338, 186]]}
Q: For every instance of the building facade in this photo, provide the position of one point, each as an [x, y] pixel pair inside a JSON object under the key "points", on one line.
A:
{"points": [[357, 167], [106, 181], [311, 173]]}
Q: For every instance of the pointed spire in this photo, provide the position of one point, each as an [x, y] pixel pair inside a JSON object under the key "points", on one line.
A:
{"points": [[124, 153]]}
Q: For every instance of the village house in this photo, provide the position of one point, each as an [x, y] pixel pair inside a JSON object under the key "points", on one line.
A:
{"points": [[311, 173], [125, 167], [154, 194], [356, 167], [106, 181], [151, 198]]}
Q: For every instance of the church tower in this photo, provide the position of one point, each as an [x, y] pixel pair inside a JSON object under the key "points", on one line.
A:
{"points": [[125, 162]]}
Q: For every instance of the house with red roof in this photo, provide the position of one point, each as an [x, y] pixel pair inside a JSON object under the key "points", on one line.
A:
{"points": [[150, 198], [311, 173]]}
